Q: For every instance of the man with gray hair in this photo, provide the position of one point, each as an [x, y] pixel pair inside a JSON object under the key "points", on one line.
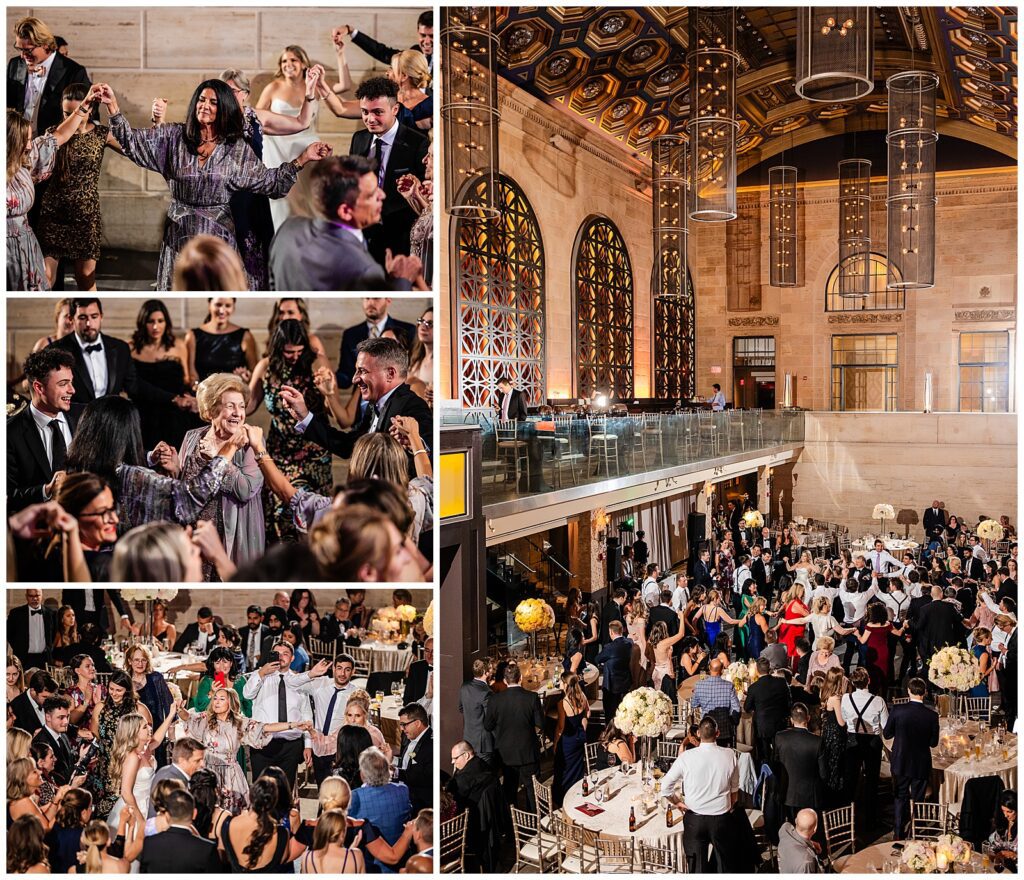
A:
{"points": [[381, 368], [379, 800]]}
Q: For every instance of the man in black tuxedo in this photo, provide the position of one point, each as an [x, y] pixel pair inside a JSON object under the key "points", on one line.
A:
{"points": [[375, 308], [796, 749], [383, 53], [614, 660], [335, 625], [702, 570], [257, 639], [1006, 671], [30, 631], [914, 730], [973, 569], [38, 437], [103, 364], [398, 150], [28, 705], [416, 759], [935, 521], [57, 712], [735, 523], [511, 402], [418, 674], [768, 698], [664, 613], [612, 611], [90, 606], [762, 571], [178, 850], [515, 718], [938, 625], [381, 368], [202, 632]]}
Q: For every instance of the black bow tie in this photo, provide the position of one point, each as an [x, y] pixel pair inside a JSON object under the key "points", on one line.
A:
{"points": [[35, 610], [89, 349]]}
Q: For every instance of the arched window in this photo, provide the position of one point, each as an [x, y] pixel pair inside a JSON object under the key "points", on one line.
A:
{"points": [[499, 276], [675, 350], [604, 311], [878, 299]]}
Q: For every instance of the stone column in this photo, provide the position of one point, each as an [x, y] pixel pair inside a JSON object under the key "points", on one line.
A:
{"points": [[586, 551]]}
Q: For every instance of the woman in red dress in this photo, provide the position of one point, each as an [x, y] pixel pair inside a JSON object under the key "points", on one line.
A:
{"points": [[793, 607], [876, 637]]}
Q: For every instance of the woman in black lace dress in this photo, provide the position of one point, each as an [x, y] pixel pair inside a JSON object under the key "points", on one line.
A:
{"points": [[832, 752], [220, 346]]}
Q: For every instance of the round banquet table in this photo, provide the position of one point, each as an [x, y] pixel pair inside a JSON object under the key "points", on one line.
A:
{"points": [[613, 821], [389, 710], [544, 689], [871, 859], [893, 545], [386, 657]]}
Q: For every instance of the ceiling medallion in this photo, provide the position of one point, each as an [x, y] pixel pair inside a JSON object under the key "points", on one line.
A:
{"points": [[559, 65], [621, 110], [520, 37], [612, 24], [645, 128], [592, 89], [669, 74], [641, 52]]}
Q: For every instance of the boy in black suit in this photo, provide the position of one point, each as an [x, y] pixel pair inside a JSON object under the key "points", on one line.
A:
{"points": [[397, 150], [178, 850], [914, 730]]}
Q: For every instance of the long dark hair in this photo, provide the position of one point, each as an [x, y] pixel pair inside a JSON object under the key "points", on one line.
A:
{"points": [[352, 742], [122, 680], [290, 332], [229, 123], [419, 350], [140, 338], [203, 787], [263, 797], [222, 653], [1007, 799], [109, 434]]}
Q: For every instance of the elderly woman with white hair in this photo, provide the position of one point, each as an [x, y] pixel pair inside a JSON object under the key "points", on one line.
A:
{"points": [[237, 509]]}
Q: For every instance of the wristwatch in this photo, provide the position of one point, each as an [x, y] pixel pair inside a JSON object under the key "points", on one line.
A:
{"points": [[262, 454]]}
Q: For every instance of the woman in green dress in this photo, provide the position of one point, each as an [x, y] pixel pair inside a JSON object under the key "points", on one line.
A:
{"points": [[749, 595]]}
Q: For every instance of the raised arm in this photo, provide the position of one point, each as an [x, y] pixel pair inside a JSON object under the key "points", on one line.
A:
{"points": [[151, 148]]}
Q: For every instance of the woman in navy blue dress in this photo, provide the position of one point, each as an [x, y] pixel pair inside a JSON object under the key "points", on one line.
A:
{"points": [[570, 736]]}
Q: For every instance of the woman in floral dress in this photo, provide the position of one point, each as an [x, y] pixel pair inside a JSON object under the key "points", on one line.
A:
{"points": [[30, 160], [291, 361], [223, 729]]}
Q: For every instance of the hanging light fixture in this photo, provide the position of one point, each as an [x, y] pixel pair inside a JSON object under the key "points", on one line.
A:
{"points": [[469, 58], [910, 203], [782, 237], [834, 53], [713, 125], [854, 228], [668, 172]]}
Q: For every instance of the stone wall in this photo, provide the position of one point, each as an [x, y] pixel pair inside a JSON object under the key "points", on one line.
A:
{"points": [[146, 53], [852, 461]]}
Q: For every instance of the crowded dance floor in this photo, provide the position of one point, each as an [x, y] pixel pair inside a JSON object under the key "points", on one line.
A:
{"points": [[297, 167], [728, 440], [159, 730], [190, 440]]}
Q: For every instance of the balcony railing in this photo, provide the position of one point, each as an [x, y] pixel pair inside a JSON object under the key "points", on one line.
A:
{"points": [[545, 454]]}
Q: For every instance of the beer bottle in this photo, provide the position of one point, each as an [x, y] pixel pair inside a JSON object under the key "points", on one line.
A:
{"points": [[586, 787], [670, 817], [632, 819]]}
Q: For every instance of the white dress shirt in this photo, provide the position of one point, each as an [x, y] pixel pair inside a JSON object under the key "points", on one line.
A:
{"points": [[874, 715], [651, 592], [897, 602], [718, 402], [879, 559], [95, 363], [740, 578], [979, 552], [40, 714], [823, 590], [411, 749], [34, 85], [322, 689], [36, 632], [378, 408], [506, 402], [42, 421], [263, 693], [680, 596], [854, 604], [387, 142], [709, 774]]}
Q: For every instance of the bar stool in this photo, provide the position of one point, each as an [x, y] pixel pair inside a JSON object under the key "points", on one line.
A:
{"points": [[512, 452]]}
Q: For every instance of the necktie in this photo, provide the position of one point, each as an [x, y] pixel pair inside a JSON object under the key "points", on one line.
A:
{"points": [[282, 699], [89, 349], [374, 329], [330, 710], [65, 747], [378, 150], [60, 449]]}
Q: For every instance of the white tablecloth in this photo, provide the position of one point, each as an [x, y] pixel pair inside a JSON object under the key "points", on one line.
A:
{"points": [[955, 776], [871, 859], [590, 675], [388, 658]]}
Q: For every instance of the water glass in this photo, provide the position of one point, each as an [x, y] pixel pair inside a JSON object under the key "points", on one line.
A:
{"points": [[599, 794], [593, 778]]}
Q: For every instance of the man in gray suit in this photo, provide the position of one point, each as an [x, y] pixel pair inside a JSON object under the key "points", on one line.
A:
{"points": [[474, 696], [186, 758], [329, 252]]}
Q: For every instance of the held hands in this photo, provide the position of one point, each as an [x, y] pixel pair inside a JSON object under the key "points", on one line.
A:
{"points": [[315, 152], [159, 110], [294, 402], [325, 381], [244, 373], [306, 725], [409, 188], [407, 268], [405, 430], [313, 77], [338, 36], [254, 433]]}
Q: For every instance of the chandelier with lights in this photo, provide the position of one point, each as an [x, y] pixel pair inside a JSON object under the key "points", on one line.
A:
{"points": [[782, 232], [671, 233], [854, 228], [834, 53]]}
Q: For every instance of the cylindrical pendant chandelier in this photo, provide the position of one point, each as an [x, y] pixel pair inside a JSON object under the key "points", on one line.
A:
{"points": [[834, 53], [910, 203], [782, 235], [469, 112], [854, 228], [713, 125], [668, 172]]}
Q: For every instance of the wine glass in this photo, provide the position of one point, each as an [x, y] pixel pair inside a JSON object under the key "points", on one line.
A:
{"points": [[593, 778], [599, 794]]}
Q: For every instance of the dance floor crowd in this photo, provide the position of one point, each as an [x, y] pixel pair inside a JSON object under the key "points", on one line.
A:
{"points": [[137, 461], [229, 166], [288, 739], [777, 698]]}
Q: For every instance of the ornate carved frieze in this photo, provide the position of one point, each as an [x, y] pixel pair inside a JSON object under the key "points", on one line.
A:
{"points": [[985, 315], [866, 318], [755, 321]]}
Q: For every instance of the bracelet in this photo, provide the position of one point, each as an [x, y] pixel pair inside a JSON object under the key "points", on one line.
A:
{"points": [[297, 165], [418, 451], [260, 456]]}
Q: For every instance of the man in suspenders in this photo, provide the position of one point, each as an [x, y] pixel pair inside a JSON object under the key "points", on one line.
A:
{"points": [[865, 715]]}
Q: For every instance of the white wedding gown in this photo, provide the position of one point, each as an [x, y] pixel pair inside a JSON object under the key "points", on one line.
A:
{"points": [[280, 148], [143, 782]]}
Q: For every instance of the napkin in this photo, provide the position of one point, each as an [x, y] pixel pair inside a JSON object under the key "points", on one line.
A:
{"points": [[590, 809]]}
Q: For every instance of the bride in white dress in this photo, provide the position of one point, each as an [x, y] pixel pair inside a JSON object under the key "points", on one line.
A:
{"points": [[804, 569], [132, 766], [285, 94]]}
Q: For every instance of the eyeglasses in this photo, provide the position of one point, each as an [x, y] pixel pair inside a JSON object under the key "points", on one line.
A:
{"points": [[108, 515], [405, 724], [424, 323], [460, 755], [26, 50]]}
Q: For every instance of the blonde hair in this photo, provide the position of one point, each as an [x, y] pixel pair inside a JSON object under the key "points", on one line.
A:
{"points": [[379, 456], [954, 564], [330, 828], [822, 605], [758, 605], [95, 837], [126, 739], [18, 744], [360, 696], [208, 263], [794, 592], [348, 539], [981, 632], [335, 792], [17, 778], [36, 32], [153, 552], [213, 388], [234, 709], [299, 53], [19, 130], [413, 64], [825, 643], [834, 685], [129, 655]]}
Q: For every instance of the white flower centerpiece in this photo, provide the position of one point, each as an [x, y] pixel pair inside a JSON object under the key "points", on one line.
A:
{"points": [[147, 595], [385, 624], [753, 519], [954, 669], [647, 714], [428, 619], [990, 530], [939, 856], [882, 512], [919, 857]]}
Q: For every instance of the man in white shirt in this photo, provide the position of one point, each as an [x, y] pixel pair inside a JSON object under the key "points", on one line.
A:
{"points": [[882, 561], [854, 605], [681, 594], [274, 691], [978, 550], [330, 696], [710, 776], [865, 715], [896, 601], [739, 579], [649, 589], [718, 400]]}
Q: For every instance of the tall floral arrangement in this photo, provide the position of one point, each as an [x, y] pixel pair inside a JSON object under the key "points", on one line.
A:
{"points": [[644, 712], [532, 615], [428, 619], [148, 594], [954, 668], [990, 530]]}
